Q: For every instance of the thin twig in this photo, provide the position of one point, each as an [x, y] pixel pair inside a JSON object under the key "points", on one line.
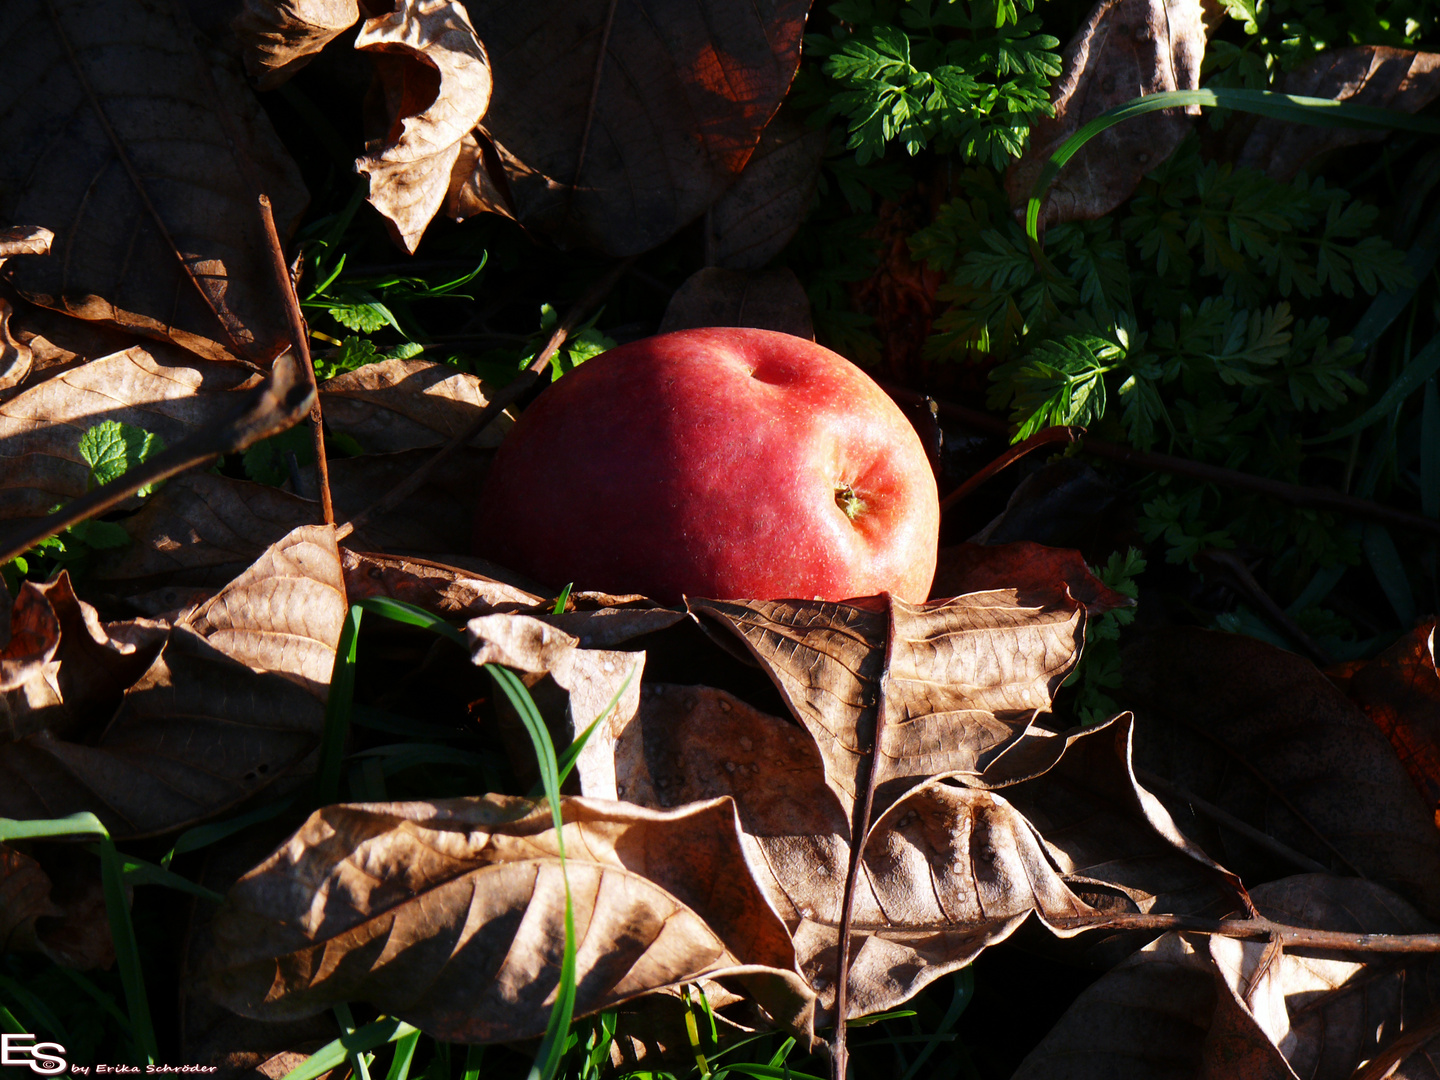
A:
{"points": [[839, 1053], [1230, 821], [503, 399], [300, 339], [1046, 437], [276, 404], [590, 108], [1292, 937]]}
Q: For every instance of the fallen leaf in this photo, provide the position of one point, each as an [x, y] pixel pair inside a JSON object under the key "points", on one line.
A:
{"points": [[768, 300], [76, 933], [55, 342], [618, 123], [1123, 50], [24, 898], [405, 404], [24, 240], [32, 635], [436, 79], [199, 730], [152, 189], [962, 677], [279, 37], [752, 222], [285, 612], [1038, 574], [1187, 1006], [451, 914], [1371, 75], [1262, 734], [157, 388], [437, 519], [16, 359], [1400, 692], [448, 591]]}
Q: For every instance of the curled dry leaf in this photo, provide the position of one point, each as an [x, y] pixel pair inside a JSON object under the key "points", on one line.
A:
{"points": [[451, 914], [279, 37], [156, 388], [448, 591], [1400, 692], [24, 898], [1123, 50], [1373, 75], [962, 677], [151, 743], [75, 932], [616, 123], [436, 82], [752, 222], [24, 240], [16, 359], [768, 300], [152, 190], [1274, 743], [1186, 1006], [56, 342], [405, 404]]}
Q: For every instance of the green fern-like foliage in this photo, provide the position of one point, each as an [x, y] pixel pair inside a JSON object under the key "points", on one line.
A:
{"points": [[1190, 322], [960, 76]]}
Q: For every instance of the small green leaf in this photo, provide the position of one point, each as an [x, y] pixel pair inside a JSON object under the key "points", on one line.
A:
{"points": [[112, 448]]}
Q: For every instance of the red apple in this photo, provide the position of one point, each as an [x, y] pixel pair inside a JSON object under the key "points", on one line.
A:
{"points": [[727, 463]]}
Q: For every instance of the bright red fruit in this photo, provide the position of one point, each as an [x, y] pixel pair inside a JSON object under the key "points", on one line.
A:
{"points": [[726, 463]]}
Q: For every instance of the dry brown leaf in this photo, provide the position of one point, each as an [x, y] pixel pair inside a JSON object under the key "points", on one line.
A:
{"points": [[451, 914], [284, 613], [1373, 75], [24, 898], [164, 241], [200, 730], [1123, 50], [56, 342], [156, 388], [16, 359], [1262, 734], [447, 591], [405, 404], [618, 123], [948, 871], [963, 677], [1032, 570], [439, 519], [76, 934], [280, 37], [752, 222], [436, 79], [24, 240], [1400, 692], [1186, 1006], [768, 300], [32, 635]]}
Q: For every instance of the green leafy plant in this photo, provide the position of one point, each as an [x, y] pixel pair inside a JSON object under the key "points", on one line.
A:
{"points": [[1099, 669]]}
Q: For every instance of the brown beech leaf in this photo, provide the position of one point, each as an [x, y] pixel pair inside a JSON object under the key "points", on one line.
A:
{"points": [[962, 677], [436, 81], [16, 359], [32, 636], [284, 613], [948, 871], [451, 914], [54, 342], [1124, 49], [152, 189], [156, 388], [77, 933], [24, 898], [752, 222], [279, 37], [767, 300], [24, 240], [1265, 736], [1373, 75], [1034, 571], [1185, 1006], [1400, 692], [448, 591], [616, 123], [201, 730], [405, 404]]}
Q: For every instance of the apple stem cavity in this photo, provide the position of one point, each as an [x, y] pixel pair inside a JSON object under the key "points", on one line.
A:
{"points": [[849, 502]]}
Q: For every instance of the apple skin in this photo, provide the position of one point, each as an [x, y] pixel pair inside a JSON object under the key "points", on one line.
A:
{"points": [[715, 463]]}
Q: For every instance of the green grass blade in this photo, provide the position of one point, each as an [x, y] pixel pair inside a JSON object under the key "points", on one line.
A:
{"points": [[25, 1000], [333, 1054], [10, 1024], [404, 1056], [562, 599], [401, 612], [1430, 451], [571, 754], [338, 703], [1417, 372], [1319, 112], [117, 911], [359, 1059], [100, 997], [139, 872], [202, 836], [474, 1058], [769, 1072], [960, 998], [552, 1046]]}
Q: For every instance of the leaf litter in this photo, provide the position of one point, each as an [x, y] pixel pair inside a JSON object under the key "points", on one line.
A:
{"points": [[710, 830]]}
